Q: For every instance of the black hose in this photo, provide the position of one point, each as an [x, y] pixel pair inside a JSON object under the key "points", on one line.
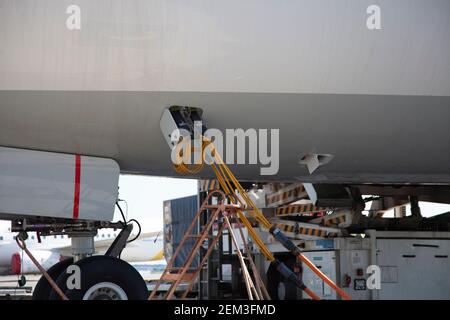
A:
{"points": [[125, 222], [139, 232], [121, 212]]}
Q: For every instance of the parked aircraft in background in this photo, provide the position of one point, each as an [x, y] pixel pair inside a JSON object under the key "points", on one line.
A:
{"points": [[147, 247]]}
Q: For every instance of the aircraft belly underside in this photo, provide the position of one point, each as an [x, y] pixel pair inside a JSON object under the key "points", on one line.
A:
{"points": [[372, 138]]}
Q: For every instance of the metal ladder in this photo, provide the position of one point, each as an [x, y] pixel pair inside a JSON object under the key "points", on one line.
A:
{"points": [[210, 276], [187, 274]]}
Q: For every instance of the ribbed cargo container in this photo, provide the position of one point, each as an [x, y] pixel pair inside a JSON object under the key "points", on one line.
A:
{"points": [[178, 215]]}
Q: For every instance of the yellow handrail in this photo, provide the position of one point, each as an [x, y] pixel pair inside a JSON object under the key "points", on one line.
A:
{"points": [[229, 184]]}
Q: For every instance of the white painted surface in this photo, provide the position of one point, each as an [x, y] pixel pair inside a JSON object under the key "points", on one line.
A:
{"points": [[414, 268], [422, 275], [326, 262], [39, 183], [376, 100], [296, 46]]}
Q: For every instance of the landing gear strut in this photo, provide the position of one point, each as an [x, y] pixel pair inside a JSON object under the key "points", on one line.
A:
{"points": [[95, 277]]}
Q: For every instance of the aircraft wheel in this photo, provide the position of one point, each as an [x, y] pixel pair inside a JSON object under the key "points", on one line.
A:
{"points": [[104, 278], [43, 289], [280, 288], [286, 290]]}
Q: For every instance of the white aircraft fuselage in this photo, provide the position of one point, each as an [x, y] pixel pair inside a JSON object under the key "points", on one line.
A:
{"points": [[378, 100]]}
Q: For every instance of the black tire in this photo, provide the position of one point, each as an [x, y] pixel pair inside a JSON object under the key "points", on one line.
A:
{"points": [[273, 278], [108, 270], [275, 282], [288, 288], [43, 289]]}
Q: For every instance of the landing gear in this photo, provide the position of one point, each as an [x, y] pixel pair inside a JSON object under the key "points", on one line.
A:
{"points": [[104, 278], [97, 277], [286, 290], [43, 289]]}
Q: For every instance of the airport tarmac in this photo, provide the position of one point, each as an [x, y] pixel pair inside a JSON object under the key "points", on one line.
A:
{"points": [[10, 290]]}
